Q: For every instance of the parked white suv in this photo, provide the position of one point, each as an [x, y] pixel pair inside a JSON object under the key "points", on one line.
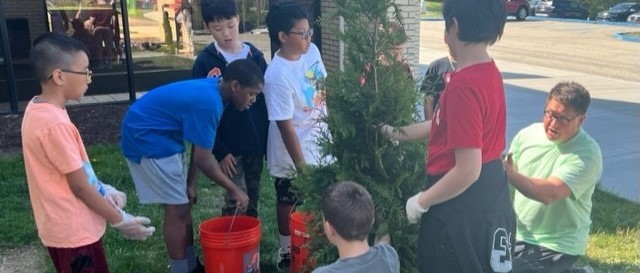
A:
{"points": [[543, 7]]}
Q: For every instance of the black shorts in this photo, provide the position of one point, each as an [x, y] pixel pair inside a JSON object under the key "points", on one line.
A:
{"points": [[473, 232], [471, 243], [286, 194], [529, 258]]}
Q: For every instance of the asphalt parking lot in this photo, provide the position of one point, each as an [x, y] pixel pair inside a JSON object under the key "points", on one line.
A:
{"points": [[581, 46], [534, 55]]}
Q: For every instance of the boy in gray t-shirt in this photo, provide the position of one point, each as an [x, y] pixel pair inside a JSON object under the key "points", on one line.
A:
{"points": [[348, 214]]}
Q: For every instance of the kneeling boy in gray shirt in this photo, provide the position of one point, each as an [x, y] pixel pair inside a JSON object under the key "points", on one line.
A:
{"points": [[348, 214]]}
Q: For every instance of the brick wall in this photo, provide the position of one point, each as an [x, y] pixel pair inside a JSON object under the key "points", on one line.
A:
{"points": [[411, 13], [330, 44], [33, 10]]}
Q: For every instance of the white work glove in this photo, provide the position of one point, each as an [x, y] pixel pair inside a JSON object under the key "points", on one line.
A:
{"points": [[414, 210], [389, 132], [115, 197], [133, 227]]}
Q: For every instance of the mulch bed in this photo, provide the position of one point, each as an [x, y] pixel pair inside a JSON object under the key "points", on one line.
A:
{"points": [[98, 124]]}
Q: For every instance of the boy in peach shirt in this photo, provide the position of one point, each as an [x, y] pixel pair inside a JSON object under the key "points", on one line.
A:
{"points": [[70, 204]]}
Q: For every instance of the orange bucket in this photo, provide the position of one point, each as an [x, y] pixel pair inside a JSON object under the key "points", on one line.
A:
{"points": [[299, 238], [231, 245]]}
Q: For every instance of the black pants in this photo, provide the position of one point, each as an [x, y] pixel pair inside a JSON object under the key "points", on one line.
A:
{"points": [[104, 43], [249, 170]]}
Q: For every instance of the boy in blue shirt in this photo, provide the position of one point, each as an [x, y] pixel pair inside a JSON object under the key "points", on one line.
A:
{"points": [[154, 132]]}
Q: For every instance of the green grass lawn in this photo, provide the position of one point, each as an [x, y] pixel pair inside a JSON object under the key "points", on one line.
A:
{"points": [[17, 227], [431, 10], [613, 244]]}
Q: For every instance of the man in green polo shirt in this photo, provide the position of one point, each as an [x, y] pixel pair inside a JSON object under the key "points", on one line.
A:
{"points": [[555, 166]]}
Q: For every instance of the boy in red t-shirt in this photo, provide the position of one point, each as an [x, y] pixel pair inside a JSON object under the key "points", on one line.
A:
{"points": [[468, 223], [70, 205]]}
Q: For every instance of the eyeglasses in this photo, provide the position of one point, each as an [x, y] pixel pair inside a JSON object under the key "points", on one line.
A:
{"points": [[87, 73], [305, 34], [562, 119]]}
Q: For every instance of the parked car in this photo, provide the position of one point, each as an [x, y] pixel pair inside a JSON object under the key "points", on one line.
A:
{"points": [[532, 5], [634, 18], [518, 8], [260, 30], [562, 9], [542, 7], [619, 12]]}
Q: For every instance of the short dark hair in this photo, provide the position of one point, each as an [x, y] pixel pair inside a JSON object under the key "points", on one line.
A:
{"points": [[348, 207], [282, 17], [479, 21], [398, 32], [51, 51], [245, 72], [571, 94], [216, 10]]}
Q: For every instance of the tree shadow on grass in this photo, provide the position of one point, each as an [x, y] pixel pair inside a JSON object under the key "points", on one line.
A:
{"points": [[611, 213], [614, 234]]}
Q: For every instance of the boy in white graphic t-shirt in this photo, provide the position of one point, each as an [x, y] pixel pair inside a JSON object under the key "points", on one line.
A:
{"points": [[294, 83]]}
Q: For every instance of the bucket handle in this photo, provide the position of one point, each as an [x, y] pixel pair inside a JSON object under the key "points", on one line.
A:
{"points": [[226, 241], [293, 208], [232, 220]]}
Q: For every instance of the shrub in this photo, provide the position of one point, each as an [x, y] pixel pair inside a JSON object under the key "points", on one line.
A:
{"points": [[391, 172]]}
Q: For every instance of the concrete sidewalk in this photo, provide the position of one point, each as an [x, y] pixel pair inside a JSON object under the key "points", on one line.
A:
{"points": [[612, 118]]}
